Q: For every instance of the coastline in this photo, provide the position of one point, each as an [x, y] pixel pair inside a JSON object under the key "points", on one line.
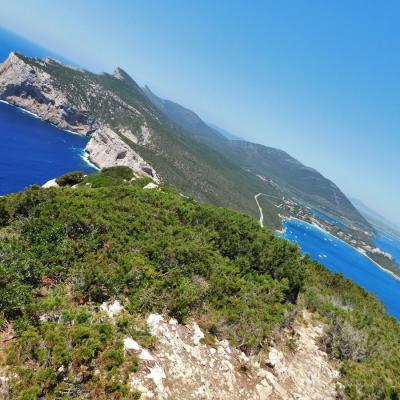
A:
{"points": [[341, 240], [84, 155]]}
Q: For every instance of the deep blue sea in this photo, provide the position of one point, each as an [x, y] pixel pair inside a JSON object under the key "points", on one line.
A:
{"points": [[341, 257], [33, 151]]}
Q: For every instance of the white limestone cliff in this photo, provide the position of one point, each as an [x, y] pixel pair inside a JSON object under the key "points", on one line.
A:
{"points": [[106, 149]]}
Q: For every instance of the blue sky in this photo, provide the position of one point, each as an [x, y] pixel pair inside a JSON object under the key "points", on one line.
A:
{"points": [[317, 79]]}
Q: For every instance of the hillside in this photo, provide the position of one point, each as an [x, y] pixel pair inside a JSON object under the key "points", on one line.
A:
{"points": [[295, 179], [125, 129], [92, 275], [162, 140]]}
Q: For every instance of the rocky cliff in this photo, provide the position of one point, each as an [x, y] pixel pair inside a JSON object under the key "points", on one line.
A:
{"points": [[30, 84], [31, 88], [131, 126]]}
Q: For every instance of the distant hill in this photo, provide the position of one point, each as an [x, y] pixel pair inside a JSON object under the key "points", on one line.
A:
{"points": [[376, 219], [183, 116], [166, 140], [306, 184], [227, 134]]}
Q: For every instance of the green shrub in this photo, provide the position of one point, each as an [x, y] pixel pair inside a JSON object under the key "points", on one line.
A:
{"points": [[70, 179], [4, 214], [66, 251]]}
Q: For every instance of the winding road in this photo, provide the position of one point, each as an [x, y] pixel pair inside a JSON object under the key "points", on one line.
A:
{"points": [[261, 211], [261, 220]]}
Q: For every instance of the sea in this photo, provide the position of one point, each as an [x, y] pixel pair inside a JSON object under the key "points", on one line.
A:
{"points": [[33, 151], [390, 244], [340, 257]]}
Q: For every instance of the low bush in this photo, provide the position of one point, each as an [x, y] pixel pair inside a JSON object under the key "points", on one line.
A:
{"points": [[70, 179], [65, 251]]}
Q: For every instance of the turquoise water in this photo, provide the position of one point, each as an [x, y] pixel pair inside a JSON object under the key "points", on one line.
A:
{"points": [[341, 257]]}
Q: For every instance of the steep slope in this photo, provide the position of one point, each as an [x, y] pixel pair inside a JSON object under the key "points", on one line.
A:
{"points": [[183, 117], [305, 184], [164, 140], [114, 289], [116, 113]]}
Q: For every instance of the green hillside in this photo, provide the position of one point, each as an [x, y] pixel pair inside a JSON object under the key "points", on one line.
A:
{"points": [[305, 184], [178, 156], [183, 149], [64, 251]]}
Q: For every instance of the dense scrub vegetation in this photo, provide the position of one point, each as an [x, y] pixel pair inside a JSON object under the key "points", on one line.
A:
{"points": [[70, 179], [65, 251], [360, 334]]}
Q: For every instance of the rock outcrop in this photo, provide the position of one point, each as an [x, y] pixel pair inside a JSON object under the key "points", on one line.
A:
{"points": [[31, 88], [183, 367], [26, 83], [107, 149]]}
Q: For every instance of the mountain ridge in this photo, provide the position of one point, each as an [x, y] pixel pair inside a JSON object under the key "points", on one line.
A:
{"points": [[162, 139], [265, 160], [90, 104]]}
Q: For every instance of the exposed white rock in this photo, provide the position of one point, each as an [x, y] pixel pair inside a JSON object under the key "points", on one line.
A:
{"points": [[107, 149], [4, 387], [50, 183], [183, 368], [145, 134], [197, 334], [133, 346], [150, 185], [112, 309], [130, 344]]}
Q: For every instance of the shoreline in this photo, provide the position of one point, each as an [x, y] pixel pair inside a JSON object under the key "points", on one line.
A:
{"points": [[84, 155], [341, 240]]}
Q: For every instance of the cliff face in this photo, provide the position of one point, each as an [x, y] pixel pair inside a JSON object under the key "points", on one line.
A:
{"points": [[107, 149], [30, 84], [29, 87]]}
